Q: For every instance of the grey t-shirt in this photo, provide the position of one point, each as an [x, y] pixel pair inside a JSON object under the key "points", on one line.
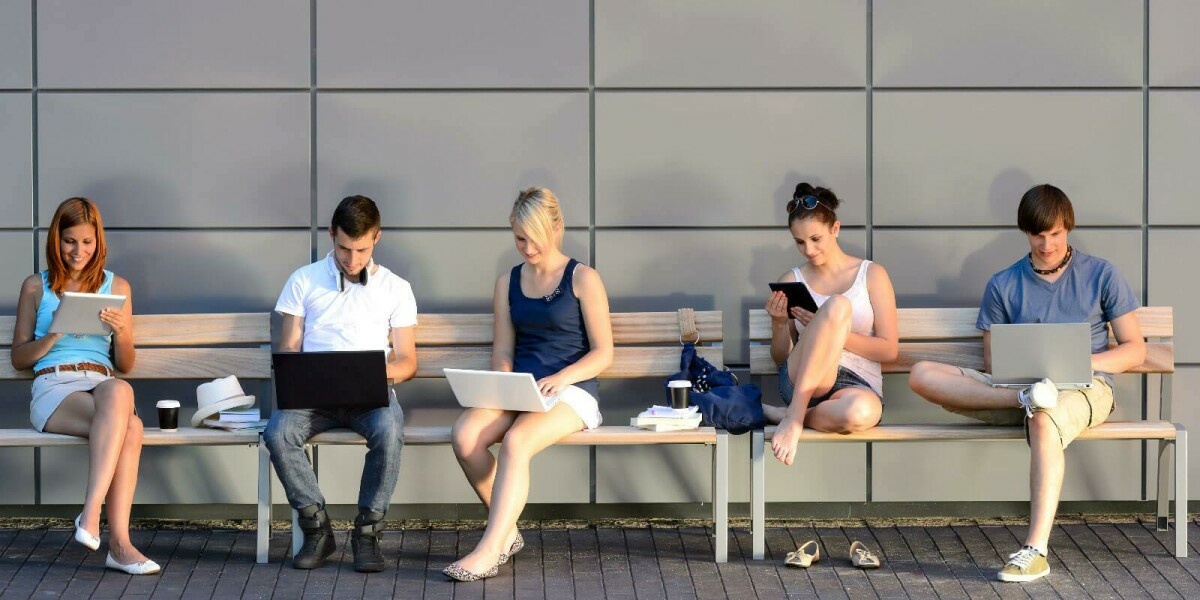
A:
{"points": [[1089, 291]]}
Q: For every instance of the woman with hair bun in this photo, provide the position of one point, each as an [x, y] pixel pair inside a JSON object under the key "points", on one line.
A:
{"points": [[829, 373]]}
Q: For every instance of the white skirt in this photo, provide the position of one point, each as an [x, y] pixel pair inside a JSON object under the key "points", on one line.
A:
{"points": [[583, 404], [51, 389]]}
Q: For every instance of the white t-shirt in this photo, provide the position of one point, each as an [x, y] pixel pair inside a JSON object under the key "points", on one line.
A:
{"points": [[357, 317]]}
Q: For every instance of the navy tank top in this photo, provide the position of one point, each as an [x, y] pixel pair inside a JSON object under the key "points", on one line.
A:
{"points": [[549, 329]]}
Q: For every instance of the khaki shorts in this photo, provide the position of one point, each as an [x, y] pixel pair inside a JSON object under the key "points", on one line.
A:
{"points": [[1076, 412]]}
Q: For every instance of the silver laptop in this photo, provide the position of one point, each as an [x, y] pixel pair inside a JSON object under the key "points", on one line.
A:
{"points": [[1024, 353], [499, 390]]}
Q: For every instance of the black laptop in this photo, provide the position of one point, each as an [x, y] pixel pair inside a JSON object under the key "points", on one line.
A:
{"points": [[331, 380]]}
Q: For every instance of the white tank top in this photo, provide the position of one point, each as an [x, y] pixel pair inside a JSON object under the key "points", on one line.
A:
{"points": [[862, 321]]}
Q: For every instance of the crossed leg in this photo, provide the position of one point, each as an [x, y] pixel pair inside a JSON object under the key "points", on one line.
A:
{"points": [[506, 483], [106, 417]]}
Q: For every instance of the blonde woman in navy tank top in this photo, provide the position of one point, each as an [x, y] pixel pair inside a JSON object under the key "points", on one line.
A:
{"points": [[551, 320], [74, 388], [829, 361]]}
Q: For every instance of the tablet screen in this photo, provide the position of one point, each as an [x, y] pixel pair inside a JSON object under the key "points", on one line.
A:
{"points": [[79, 314]]}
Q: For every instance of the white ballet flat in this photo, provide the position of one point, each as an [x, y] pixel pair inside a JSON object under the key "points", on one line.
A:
{"points": [[146, 567], [89, 541]]}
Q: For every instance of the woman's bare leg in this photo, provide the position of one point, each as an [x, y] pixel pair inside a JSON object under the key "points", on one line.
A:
{"points": [[475, 431], [529, 435]]}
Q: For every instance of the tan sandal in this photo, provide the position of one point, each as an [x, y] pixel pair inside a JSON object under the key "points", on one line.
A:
{"points": [[863, 558], [804, 556]]}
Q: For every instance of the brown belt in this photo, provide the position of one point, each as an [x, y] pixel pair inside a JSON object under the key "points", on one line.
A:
{"points": [[83, 366]]}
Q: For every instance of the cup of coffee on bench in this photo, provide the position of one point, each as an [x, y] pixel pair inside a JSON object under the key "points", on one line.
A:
{"points": [[681, 392], [168, 415]]}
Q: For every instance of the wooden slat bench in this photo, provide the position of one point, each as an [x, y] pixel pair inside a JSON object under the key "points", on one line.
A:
{"points": [[647, 345], [183, 346], [948, 335]]}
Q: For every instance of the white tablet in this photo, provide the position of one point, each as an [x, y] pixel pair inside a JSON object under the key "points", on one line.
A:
{"points": [[79, 313]]}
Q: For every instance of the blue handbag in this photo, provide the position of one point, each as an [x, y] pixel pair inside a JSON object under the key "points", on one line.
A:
{"points": [[724, 403]]}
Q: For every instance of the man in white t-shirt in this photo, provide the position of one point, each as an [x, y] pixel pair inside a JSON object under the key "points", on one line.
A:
{"points": [[345, 301]]}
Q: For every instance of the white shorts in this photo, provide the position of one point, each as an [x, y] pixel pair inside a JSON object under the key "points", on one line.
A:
{"points": [[51, 389], [583, 403]]}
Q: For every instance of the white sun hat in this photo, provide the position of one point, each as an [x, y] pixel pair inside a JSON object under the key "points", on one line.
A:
{"points": [[218, 395]]}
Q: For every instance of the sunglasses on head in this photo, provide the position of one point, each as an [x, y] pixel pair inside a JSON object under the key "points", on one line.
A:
{"points": [[808, 201]]}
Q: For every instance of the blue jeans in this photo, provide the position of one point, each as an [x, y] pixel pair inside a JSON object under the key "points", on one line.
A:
{"points": [[383, 428]]}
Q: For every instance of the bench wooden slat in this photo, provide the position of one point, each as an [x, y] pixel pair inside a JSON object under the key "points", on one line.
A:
{"points": [[203, 329], [179, 363], [628, 328], [628, 361], [186, 436], [942, 323], [1115, 430], [609, 435], [1160, 357]]}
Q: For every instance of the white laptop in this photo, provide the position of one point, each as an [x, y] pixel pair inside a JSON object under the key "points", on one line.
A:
{"points": [[79, 313], [499, 390], [1026, 352]]}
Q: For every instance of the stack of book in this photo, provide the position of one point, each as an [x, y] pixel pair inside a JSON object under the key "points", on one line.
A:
{"points": [[665, 418], [242, 418]]}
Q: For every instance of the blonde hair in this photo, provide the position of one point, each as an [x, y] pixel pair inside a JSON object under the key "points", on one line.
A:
{"points": [[536, 212]]}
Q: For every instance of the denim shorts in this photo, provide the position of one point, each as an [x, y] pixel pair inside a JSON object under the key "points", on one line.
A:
{"points": [[845, 379]]}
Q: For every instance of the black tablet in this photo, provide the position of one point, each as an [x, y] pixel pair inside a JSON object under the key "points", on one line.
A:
{"points": [[797, 295]]}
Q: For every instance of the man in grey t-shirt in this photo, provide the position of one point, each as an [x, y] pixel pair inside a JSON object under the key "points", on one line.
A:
{"points": [[1054, 283]]}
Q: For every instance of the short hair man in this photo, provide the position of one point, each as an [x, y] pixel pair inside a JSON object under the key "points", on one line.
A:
{"points": [[1052, 284], [345, 301]]}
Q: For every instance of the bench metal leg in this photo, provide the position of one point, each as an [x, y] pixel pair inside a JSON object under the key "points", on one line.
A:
{"points": [[1163, 492], [1181, 492], [263, 543], [758, 495], [721, 496]]}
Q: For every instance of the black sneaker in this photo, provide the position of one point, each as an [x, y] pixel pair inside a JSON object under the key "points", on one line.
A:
{"points": [[364, 541], [318, 538]]}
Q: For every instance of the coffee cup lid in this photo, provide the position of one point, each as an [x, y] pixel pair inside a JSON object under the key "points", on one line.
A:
{"points": [[678, 383], [167, 404]]}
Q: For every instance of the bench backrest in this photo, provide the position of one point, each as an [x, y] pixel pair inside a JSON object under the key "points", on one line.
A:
{"points": [[646, 344], [948, 335], [184, 346]]}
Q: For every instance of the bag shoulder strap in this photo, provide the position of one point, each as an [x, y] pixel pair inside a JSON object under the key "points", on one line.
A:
{"points": [[687, 325]]}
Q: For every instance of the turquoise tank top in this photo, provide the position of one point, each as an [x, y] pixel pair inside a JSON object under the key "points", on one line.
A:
{"points": [[71, 349]]}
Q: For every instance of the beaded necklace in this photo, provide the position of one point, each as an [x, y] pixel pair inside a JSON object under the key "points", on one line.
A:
{"points": [[1062, 264]]}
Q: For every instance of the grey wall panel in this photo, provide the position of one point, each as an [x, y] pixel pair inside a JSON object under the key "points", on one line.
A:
{"points": [[1174, 154], [432, 475], [725, 158], [16, 44], [1185, 412], [161, 44], [678, 43], [966, 158], [1171, 252], [170, 160], [452, 160], [17, 464], [1174, 47], [456, 43], [939, 268], [205, 271], [17, 249], [16, 160], [726, 270], [456, 271], [175, 475], [1014, 43]]}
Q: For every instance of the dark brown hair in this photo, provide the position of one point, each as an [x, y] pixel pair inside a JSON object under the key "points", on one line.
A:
{"points": [[826, 209], [1041, 209], [356, 216], [72, 212]]}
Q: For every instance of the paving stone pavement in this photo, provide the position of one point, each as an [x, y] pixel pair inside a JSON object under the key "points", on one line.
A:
{"points": [[1093, 559]]}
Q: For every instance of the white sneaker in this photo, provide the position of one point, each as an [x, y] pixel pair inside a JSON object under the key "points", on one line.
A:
{"points": [[1041, 395]]}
